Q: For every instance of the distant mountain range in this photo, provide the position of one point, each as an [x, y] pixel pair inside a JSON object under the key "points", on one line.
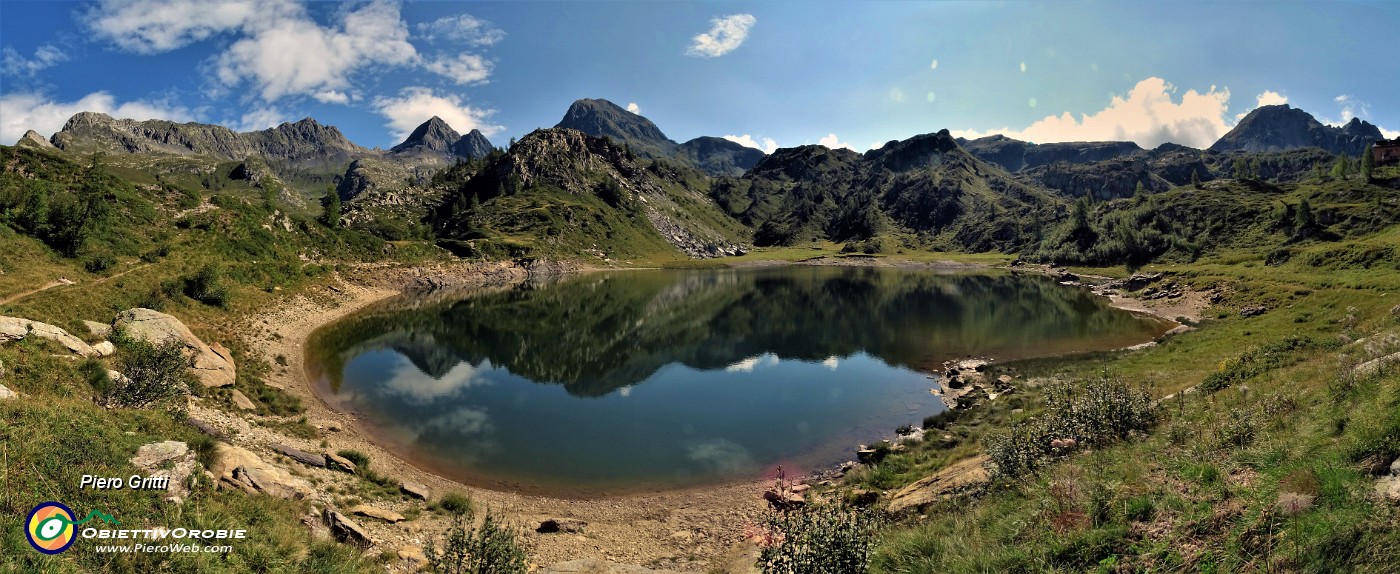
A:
{"points": [[604, 172]]}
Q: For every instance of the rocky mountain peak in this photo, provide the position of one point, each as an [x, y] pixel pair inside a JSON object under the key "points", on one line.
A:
{"points": [[433, 135], [473, 145], [602, 118], [1282, 128]]}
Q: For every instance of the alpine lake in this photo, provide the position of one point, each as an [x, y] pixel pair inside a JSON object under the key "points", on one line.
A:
{"points": [[622, 381]]}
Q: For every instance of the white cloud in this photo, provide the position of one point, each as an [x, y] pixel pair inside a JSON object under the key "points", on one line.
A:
{"points": [[331, 97], [934, 65], [415, 105], [833, 142], [464, 69], [725, 35], [280, 49], [765, 144], [1388, 134], [260, 118], [464, 28], [44, 57], [1147, 115], [298, 56], [1350, 108], [22, 112], [832, 362], [416, 387], [164, 25], [634, 108], [1270, 98]]}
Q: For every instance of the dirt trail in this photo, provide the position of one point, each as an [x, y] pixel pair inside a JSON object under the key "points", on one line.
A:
{"points": [[45, 287]]}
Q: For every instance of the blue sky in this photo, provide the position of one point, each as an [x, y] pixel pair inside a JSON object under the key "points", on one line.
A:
{"points": [[766, 73]]}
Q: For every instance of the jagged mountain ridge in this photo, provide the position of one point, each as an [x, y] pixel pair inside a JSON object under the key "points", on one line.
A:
{"points": [[602, 118], [926, 186], [436, 137], [304, 144], [1283, 128], [560, 190]]}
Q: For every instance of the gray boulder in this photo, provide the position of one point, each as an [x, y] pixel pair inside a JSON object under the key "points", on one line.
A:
{"points": [[210, 367], [16, 328]]}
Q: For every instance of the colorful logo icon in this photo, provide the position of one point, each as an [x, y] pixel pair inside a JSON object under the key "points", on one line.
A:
{"points": [[50, 528]]}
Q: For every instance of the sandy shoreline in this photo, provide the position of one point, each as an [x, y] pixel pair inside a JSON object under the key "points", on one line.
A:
{"points": [[685, 530], [691, 529]]}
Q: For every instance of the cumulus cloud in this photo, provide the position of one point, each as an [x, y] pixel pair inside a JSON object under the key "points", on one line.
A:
{"points": [[1148, 115], [164, 25], [331, 97], [1350, 108], [725, 35], [280, 49], [634, 108], [259, 118], [299, 56], [1270, 98], [834, 142], [765, 144], [464, 69], [14, 63], [464, 28], [20, 112], [415, 105]]}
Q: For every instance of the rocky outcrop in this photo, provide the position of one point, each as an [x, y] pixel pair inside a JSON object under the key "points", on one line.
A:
{"points": [[335, 461], [172, 459], [241, 401], [963, 475], [212, 368], [32, 139], [301, 456], [240, 469], [345, 529], [377, 513], [16, 328], [415, 490], [6, 393]]}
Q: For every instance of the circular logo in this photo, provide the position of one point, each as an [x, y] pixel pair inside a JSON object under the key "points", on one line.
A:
{"points": [[50, 528]]}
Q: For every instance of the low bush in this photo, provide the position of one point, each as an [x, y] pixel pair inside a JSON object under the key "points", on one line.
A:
{"points": [[456, 503], [1096, 413], [491, 548], [208, 287], [817, 538], [154, 374]]}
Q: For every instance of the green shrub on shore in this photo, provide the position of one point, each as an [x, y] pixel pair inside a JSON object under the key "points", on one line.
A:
{"points": [[1097, 413], [490, 548], [816, 538]]}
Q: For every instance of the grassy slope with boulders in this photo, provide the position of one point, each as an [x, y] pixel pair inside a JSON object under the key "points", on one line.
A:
{"points": [[155, 248], [1269, 465]]}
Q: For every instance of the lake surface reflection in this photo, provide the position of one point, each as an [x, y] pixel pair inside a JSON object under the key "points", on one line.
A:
{"points": [[618, 381]]}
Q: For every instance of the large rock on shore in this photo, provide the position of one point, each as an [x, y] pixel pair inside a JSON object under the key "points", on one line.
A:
{"points": [[239, 468], [16, 328], [170, 458], [213, 366], [941, 484]]}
